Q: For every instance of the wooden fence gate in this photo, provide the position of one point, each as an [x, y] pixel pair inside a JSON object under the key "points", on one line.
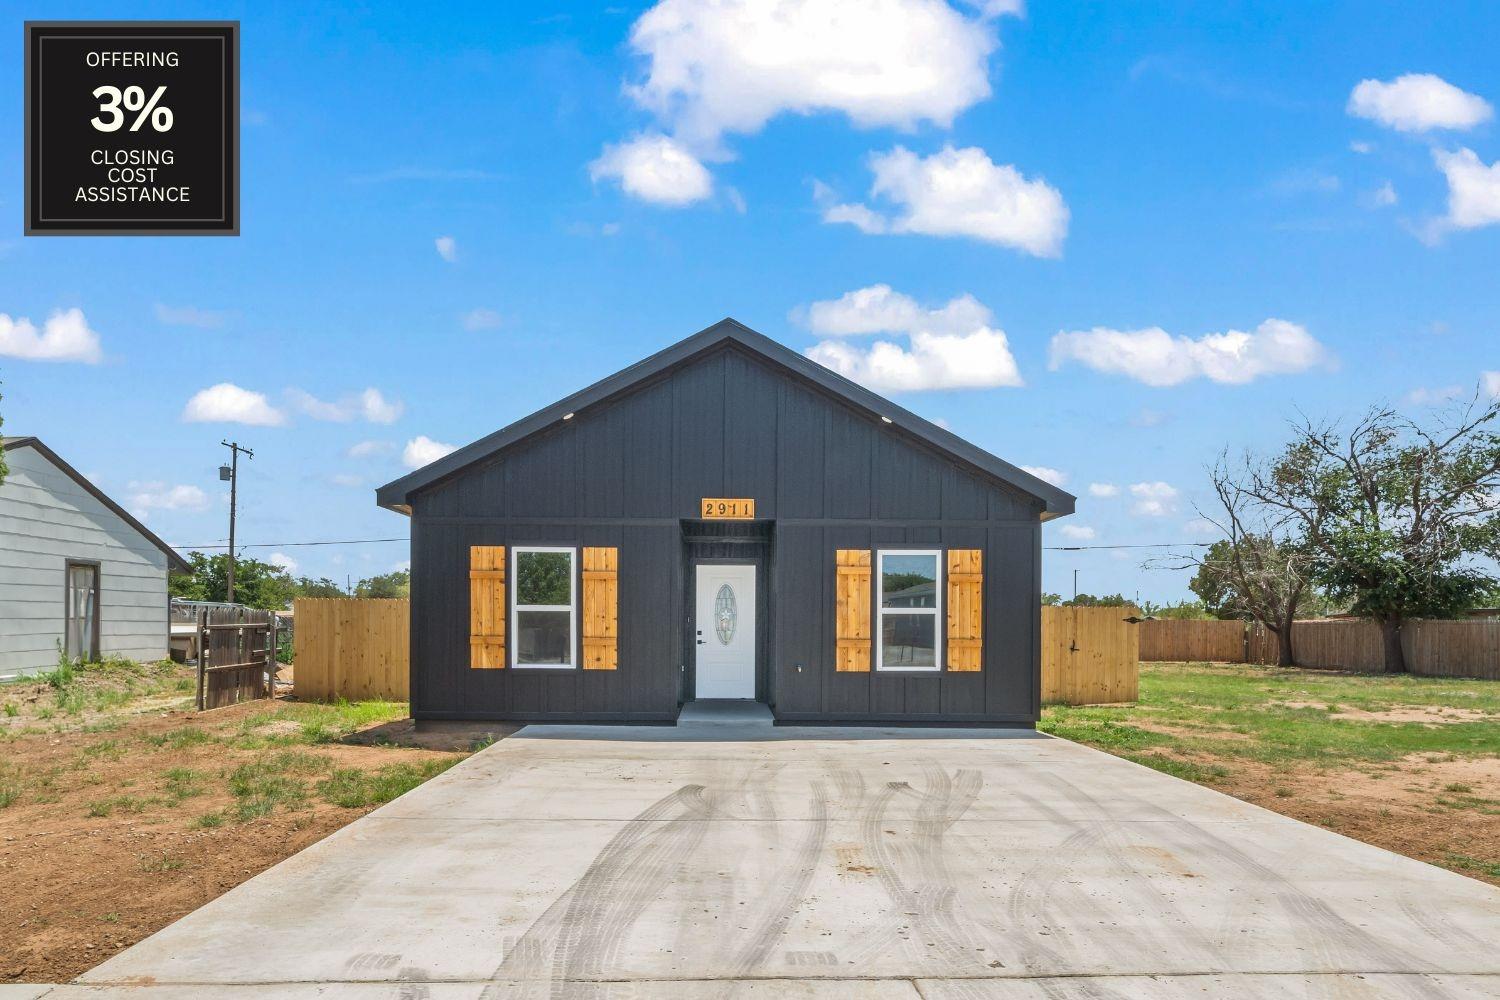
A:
{"points": [[1089, 656], [236, 656]]}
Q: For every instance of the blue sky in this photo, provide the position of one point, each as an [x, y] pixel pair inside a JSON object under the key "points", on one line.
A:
{"points": [[1071, 177]]}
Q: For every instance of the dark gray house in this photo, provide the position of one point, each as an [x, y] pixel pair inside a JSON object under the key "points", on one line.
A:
{"points": [[726, 519]]}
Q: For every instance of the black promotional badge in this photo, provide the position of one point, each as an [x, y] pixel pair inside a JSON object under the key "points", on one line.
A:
{"points": [[132, 128]]}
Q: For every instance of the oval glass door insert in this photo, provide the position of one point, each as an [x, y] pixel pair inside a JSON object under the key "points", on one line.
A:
{"points": [[726, 614]]}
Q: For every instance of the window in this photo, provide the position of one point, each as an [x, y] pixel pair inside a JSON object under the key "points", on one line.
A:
{"points": [[542, 618], [908, 602]]}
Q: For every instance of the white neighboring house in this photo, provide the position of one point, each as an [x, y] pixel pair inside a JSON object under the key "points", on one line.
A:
{"points": [[76, 571]]}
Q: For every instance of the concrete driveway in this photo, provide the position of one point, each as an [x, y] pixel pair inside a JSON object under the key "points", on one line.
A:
{"points": [[741, 861]]}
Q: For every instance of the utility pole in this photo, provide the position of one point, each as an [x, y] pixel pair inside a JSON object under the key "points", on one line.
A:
{"points": [[1075, 572], [231, 472]]}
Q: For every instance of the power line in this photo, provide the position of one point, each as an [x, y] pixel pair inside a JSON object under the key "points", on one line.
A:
{"points": [[288, 545]]}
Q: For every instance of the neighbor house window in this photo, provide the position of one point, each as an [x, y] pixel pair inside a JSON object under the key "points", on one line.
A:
{"points": [[543, 615], [908, 602]]}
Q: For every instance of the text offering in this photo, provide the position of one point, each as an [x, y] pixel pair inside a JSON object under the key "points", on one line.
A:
{"points": [[132, 128]]}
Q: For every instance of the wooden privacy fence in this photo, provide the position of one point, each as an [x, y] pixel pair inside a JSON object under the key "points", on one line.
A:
{"points": [[1089, 656], [1467, 647], [1210, 641], [354, 648], [236, 655]]}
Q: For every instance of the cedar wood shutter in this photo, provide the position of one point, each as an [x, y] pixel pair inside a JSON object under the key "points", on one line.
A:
{"points": [[601, 600], [854, 602], [487, 611], [965, 609]]}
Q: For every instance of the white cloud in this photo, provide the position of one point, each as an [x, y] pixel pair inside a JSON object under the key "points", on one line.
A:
{"points": [[1491, 383], [882, 309], [203, 319], [146, 497], [960, 192], [1382, 197], [1473, 189], [64, 337], [736, 200], [370, 449], [1418, 102], [1156, 499], [1201, 527], [729, 66], [346, 479], [447, 248], [423, 450], [951, 347], [1434, 396], [369, 405], [1103, 490], [1362, 148], [861, 217], [1155, 357], [1077, 532], [654, 168], [480, 319], [228, 403], [283, 562], [1047, 474]]}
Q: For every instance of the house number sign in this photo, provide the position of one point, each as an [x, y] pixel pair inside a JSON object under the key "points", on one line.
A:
{"points": [[728, 509]]}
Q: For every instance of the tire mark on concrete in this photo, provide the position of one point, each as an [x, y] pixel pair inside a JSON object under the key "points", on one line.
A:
{"points": [[585, 926], [1331, 935], [776, 912]]}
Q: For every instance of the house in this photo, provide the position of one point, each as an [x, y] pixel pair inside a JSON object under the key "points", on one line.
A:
{"points": [[726, 519], [78, 575]]}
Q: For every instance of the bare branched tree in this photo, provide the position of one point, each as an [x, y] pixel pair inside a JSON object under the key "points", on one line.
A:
{"points": [[1392, 515], [1259, 569]]}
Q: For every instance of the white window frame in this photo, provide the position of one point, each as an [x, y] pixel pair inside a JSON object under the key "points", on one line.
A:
{"points": [[936, 611], [516, 552]]}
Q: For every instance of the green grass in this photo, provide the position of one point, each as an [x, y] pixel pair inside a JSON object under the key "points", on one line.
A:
{"points": [[272, 781], [181, 783], [1462, 862], [352, 788], [1247, 712], [311, 723]]}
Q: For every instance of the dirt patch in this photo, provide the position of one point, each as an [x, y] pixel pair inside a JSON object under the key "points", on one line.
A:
{"points": [[116, 833], [1428, 807], [1432, 715]]}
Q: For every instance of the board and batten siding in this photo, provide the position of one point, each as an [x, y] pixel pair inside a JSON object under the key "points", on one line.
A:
{"points": [[628, 473], [46, 519]]}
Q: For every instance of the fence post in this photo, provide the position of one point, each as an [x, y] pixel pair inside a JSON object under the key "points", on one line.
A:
{"points": [[202, 654]]}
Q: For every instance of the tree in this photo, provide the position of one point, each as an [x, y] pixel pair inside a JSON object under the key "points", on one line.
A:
{"points": [[1090, 601], [1392, 514], [396, 584], [256, 584], [322, 587]]}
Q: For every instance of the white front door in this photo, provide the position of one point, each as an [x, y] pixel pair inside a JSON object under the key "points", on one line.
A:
{"points": [[725, 627]]}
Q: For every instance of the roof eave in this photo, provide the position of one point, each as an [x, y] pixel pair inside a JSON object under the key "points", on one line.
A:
{"points": [[395, 495], [175, 562]]}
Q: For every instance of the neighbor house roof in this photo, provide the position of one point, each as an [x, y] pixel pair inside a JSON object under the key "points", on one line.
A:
{"points": [[174, 561], [396, 495]]}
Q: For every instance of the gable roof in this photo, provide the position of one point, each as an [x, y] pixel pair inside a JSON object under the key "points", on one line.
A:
{"points": [[396, 495], [174, 561]]}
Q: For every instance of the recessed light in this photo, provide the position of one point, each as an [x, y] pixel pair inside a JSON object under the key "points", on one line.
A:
{"points": [[567, 416], [885, 420]]}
